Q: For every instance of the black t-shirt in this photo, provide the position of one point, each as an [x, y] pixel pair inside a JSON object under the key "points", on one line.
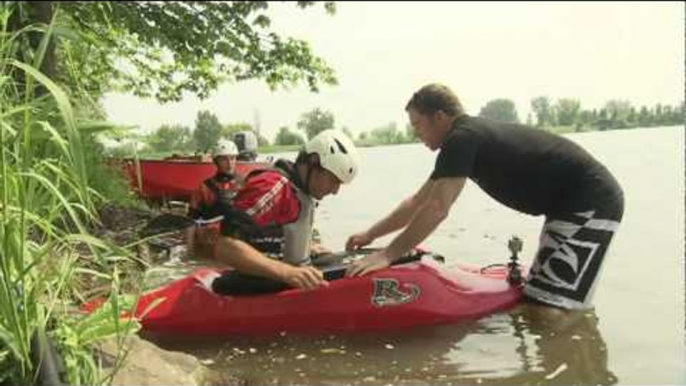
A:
{"points": [[527, 169]]}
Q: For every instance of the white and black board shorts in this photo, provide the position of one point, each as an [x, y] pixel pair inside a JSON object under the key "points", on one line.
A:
{"points": [[570, 257]]}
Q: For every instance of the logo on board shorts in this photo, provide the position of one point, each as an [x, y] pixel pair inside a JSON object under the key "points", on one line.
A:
{"points": [[387, 292]]}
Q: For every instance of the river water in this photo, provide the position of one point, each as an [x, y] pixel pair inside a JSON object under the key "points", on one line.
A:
{"points": [[635, 334]]}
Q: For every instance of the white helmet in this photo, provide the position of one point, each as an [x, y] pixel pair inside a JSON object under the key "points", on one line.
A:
{"points": [[337, 153], [245, 140], [225, 147]]}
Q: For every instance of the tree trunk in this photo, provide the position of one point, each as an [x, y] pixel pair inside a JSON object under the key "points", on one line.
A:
{"points": [[30, 13], [44, 11], [15, 23]]}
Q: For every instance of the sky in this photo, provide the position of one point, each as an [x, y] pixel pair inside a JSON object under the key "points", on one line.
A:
{"points": [[383, 52]]}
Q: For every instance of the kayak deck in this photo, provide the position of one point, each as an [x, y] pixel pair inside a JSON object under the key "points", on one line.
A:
{"points": [[423, 292]]}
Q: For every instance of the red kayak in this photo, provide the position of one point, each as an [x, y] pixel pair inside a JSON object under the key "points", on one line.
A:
{"points": [[174, 179], [424, 292]]}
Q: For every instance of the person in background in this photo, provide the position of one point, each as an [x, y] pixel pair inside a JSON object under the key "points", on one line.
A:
{"points": [[210, 198]]}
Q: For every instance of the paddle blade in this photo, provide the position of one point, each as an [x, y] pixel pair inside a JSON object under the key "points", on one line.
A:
{"points": [[165, 223]]}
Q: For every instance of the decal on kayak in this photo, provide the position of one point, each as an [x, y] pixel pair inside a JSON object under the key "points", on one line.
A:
{"points": [[387, 292]]}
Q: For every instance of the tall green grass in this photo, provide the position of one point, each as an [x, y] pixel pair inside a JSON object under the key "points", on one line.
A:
{"points": [[46, 203]]}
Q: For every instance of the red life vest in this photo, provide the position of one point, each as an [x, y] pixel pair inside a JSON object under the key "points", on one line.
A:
{"points": [[212, 195], [282, 214], [207, 202]]}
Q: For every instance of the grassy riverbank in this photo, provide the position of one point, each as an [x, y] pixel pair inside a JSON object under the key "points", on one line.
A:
{"points": [[50, 261]]}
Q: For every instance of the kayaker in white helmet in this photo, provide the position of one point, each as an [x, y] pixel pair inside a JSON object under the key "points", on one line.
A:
{"points": [[268, 230], [211, 195]]}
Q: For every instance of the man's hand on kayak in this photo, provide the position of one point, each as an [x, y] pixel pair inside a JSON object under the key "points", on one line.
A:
{"points": [[373, 262], [358, 240], [304, 277]]}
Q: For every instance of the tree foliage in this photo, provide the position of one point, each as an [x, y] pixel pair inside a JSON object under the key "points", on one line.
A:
{"points": [[171, 138], [618, 109], [166, 49], [207, 130], [261, 139], [287, 137], [315, 121], [500, 109], [615, 114], [229, 130], [567, 110], [542, 107], [387, 134]]}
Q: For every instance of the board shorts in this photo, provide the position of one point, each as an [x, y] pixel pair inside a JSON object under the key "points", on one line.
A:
{"points": [[570, 257]]}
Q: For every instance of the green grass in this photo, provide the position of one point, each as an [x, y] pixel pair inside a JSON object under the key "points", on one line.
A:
{"points": [[46, 203]]}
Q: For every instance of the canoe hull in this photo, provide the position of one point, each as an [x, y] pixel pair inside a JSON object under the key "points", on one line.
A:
{"points": [[164, 180]]}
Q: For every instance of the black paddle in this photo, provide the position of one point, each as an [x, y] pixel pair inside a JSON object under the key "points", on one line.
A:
{"points": [[166, 223], [169, 222]]}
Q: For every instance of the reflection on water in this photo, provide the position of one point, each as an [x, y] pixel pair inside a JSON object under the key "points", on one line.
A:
{"points": [[525, 346]]}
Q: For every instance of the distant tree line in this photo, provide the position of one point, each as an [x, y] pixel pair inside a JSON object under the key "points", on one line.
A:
{"points": [[387, 134], [567, 112], [205, 135]]}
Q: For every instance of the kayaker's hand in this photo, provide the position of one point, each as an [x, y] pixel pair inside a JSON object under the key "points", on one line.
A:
{"points": [[374, 262], [357, 241], [317, 249], [304, 277]]}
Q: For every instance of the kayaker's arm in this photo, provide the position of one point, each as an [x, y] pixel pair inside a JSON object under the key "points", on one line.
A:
{"points": [[441, 197], [190, 240], [244, 258], [397, 219], [194, 214]]}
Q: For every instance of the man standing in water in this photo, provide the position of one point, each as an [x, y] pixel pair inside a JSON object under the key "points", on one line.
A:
{"points": [[526, 169]]}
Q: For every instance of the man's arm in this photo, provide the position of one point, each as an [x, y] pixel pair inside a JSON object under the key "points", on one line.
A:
{"points": [[433, 211], [190, 241], [244, 258], [397, 219], [429, 215], [194, 213]]}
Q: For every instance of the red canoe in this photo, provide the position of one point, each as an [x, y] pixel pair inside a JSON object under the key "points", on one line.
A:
{"points": [[414, 294], [174, 179]]}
